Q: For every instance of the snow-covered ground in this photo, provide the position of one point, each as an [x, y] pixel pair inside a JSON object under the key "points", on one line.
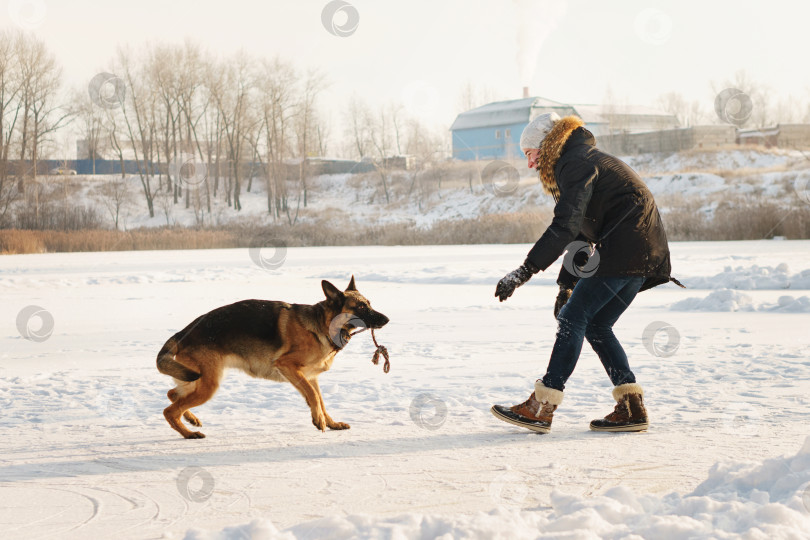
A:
{"points": [[86, 453], [722, 160]]}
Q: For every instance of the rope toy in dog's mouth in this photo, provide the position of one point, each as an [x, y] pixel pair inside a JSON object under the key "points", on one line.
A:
{"points": [[381, 350]]}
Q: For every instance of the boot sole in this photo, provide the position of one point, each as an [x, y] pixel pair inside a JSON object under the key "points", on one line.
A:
{"points": [[628, 428], [528, 424]]}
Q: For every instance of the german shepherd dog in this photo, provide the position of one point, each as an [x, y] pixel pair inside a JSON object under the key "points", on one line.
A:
{"points": [[266, 339]]}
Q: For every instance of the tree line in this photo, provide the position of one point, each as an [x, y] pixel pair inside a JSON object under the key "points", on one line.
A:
{"points": [[205, 127], [200, 126]]}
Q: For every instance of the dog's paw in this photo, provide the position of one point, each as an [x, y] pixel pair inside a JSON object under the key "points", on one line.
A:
{"points": [[195, 435], [319, 422], [339, 425], [193, 420]]}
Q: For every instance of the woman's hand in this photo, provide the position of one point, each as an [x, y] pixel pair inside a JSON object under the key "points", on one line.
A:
{"points": [[514, 279], [562, 299]]}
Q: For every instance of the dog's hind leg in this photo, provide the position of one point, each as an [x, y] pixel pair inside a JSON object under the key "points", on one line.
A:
{"points": [[188, 415], [199, 392], [192, 419], [329, 422]]}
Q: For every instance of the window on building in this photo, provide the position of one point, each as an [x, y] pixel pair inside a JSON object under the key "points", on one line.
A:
{"points": [[507, 133], [497, 133]]}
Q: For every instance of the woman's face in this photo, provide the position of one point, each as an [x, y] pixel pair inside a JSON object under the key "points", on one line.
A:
{"points": [[533, 155]]}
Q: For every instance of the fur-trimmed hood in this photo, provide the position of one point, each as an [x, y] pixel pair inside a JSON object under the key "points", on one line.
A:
{"points": [[551, 149]]}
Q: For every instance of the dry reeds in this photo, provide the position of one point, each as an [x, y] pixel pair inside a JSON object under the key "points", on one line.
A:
{"points": [[734, 220]]}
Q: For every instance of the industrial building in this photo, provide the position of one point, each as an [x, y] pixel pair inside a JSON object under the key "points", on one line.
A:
{"points": [[492, 131]]}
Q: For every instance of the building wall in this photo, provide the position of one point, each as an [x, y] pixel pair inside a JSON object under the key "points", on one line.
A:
{"points": [[794, 135], [81, 166], [669, 140], [709, 137], [494, 142], [481, 143], [635, 123]]}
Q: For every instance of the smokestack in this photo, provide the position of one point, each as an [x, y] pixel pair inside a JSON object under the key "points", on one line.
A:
{"points": [[525, 91]]}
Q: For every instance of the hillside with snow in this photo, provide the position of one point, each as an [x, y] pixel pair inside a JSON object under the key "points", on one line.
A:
{"points": [[699, 180]]}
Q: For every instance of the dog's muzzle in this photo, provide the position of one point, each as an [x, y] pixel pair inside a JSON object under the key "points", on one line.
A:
{"points": [[377, 320]]}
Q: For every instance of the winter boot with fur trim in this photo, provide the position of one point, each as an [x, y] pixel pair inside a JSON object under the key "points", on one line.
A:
{"points": [[535, 413], [629, 414]]}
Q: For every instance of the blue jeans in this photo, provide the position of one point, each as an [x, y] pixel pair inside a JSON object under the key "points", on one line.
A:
{"points": [[594, 307]]}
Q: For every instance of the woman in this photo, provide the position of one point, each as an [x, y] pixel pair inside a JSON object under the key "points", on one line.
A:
{"points": [[600, 201]]}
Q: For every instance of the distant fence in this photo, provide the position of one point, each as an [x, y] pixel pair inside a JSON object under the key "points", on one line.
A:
{"points": [[669, 140], [81, 166], [315, 166], [706, 137]]}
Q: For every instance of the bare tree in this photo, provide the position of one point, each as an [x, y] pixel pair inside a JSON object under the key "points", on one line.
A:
{"points": [[194, 103], [186, 101], [472, 96], [689, 113], [382, 140], [322, 131], [10, 86], [789, 110], [427, 151], [612, 109], [230, 84], [397, 120], [138, 112], [116, 197], [166, 205], [758, 93], [358, 130], [41, 80], [305, 124], [112, 126], [276, 87], [92, 126], [162, 67]]}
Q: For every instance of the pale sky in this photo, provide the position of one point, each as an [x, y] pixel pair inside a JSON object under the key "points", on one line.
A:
{"points": [[420, 53]]}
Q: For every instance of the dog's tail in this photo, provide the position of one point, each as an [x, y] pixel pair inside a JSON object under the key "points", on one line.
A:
{"points": [[167, 365]]}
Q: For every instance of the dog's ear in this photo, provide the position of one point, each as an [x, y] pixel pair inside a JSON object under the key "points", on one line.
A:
{"points": [[352, 286], [332, 293]]}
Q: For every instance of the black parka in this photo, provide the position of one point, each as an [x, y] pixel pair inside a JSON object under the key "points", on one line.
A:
{"points": [[604, 202]]}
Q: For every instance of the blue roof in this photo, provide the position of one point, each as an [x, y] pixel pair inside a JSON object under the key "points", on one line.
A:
{"points": [[500, 113], [522, 111]]}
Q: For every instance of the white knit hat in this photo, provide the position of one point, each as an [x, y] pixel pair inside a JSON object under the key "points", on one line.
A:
{"points": [[536, 131]]}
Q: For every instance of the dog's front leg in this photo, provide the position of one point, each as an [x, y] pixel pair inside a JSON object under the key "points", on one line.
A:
{"points": [[297, 379], [329, 422]]}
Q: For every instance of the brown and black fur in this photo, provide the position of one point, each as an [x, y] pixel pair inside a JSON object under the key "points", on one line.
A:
{"points": [[266, 339]]}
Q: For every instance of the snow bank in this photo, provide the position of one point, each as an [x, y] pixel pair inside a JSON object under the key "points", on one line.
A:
{"points": [[752, 278], [729, 300], [770, 499], [686, 184], [723, 160], [722, 300], [789, 304]]}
